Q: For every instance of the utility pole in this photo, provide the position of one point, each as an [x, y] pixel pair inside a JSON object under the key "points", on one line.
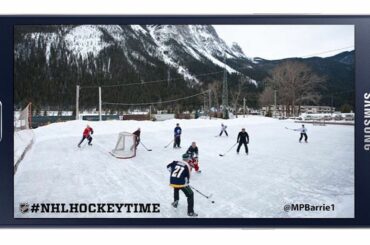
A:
{"points": [[209, 103], [100, 113], [168, 77], [332, 104], [244, 110], [275, 103], [77, 102], [225, 93], [204, 103]]}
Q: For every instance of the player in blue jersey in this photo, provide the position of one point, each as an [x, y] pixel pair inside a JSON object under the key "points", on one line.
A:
{"points": [[179, 180], [177, 135]]}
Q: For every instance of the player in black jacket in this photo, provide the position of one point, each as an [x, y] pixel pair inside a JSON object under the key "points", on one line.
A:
{"points": [[194, 156], [243, 139], [137, 135], [193, 150], [179, 180]]}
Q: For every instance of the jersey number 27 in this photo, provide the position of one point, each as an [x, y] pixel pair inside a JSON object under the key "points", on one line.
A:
{"points": [[178, 171]]}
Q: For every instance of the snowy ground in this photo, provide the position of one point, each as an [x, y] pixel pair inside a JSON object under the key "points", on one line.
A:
{"points": [[278, 170], [22, 141]]}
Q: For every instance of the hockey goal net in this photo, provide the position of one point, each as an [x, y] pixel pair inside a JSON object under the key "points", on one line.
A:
{"points": [[126, 146], [23, 118]]}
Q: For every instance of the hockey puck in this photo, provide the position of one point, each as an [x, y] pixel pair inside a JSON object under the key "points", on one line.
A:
{"points": [[213, 201]]}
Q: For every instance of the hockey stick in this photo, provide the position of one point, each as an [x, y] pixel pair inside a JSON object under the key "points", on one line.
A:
{"points": [[145, 147], [208, 197], [103, 150], [168, 144], [221, 155]]}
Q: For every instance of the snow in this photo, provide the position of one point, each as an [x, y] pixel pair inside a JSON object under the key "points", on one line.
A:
{"points": [[217, 62], [278, 170], [252, 81], [257, 60], [114, 31], [138, 28], [200, 41], [49, 39], [85, 39], [22, 140], [195, 39], [192, 52], [165, 53]]}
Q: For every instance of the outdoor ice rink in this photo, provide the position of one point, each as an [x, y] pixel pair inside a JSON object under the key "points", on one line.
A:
{"points": [[278, 170]]}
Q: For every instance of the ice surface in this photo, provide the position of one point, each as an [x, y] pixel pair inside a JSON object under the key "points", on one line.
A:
{"points": [[278, 170]]}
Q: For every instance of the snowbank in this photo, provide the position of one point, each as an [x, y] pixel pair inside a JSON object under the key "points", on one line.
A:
{"points": [[22, 142]]}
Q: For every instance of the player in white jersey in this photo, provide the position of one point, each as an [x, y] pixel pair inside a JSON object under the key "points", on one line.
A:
{"points": [[303, 131]]}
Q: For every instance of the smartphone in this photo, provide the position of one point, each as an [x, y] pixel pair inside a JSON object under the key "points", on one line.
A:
{"points": [[197, 121]]}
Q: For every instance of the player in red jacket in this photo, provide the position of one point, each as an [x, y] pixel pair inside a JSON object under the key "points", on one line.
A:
{"points": [[87, 135], [193, 153]]}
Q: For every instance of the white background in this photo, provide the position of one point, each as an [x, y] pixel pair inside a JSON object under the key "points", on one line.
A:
{"points": [[184, 236]]}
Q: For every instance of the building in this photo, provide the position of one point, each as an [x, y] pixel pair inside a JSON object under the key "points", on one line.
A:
{"points": [[284, 111]]}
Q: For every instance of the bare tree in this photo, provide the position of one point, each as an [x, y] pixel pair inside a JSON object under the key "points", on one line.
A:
{"points": [[215, 88], [295, 83], [236, 92], [267, 97]]}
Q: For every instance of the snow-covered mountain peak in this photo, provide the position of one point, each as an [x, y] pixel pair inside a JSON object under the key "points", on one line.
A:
{"points": [[236, 49], [178, 46], [85, 39]]}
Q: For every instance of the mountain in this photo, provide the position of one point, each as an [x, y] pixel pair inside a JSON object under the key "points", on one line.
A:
{"points": [[172, 44], [347, 57], [51, 60]]}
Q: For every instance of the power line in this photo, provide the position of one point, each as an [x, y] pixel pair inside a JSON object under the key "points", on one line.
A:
{"points": [[160, 102], [148, 82], [199, 75], [327, 51]]}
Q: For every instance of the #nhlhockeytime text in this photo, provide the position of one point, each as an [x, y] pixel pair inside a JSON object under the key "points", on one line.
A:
{"points": [[367, 121]]}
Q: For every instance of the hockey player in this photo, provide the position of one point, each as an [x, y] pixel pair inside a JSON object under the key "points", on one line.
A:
{"points": [[223, 129], [87, 135], [177, 135], [243, 139], [303, 131], [179, 180], [193, 152], [137, 137]]}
